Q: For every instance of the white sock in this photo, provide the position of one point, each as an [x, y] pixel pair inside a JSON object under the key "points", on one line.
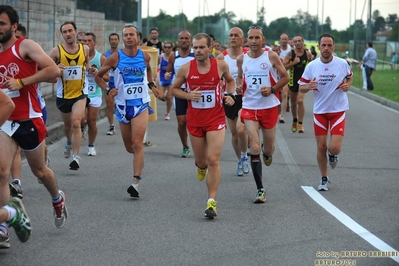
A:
{"points": [[12, 212], [244, 155], [210, 199], [3, 227]]}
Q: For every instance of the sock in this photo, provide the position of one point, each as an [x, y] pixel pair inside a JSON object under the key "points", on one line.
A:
{"points": [[57, 199], [136, 177], [3, 228], [112, 126], [91, 145], [257, 170], [211, 199], [12, 213], [69, 143], [16, 181], [300, 123], [244, 155], [295, 119]]}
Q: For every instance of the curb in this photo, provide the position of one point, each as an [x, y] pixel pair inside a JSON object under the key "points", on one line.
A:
{"points": [[56, 131], [376, 98]]}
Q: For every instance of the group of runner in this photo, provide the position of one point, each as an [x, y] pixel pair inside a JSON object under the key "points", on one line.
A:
{"points": [[242, 84]]}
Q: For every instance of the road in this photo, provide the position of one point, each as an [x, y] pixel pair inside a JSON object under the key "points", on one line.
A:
{"points": [[296, 226]]}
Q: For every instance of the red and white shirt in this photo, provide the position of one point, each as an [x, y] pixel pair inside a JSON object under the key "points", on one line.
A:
{"points": [[13, 65], [328, 97], [258, 72]]}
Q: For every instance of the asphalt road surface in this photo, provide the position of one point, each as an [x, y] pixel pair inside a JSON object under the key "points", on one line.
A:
{"points": [[354, 223]]}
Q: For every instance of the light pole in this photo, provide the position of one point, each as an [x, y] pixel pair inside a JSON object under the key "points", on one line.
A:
{"points": [[139, 20]]}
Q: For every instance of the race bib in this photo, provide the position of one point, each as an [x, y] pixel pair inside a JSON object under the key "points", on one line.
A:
{"points": [[11, 94], [72, 73], [206, 101], [256, 81], [92, 84], [9, 127], [134, 90]]}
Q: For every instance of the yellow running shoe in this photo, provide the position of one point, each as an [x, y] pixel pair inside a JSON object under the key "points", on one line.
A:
{"points": [[294, 127], [267, 160], [260, 197], [210, 211], [201, 173]]}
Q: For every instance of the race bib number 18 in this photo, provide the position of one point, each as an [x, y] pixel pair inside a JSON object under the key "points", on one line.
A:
{"points": [[206, 101]]}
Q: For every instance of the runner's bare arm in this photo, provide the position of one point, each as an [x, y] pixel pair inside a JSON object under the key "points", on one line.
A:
{"points": [[150, 78], [48, 69], [239, 74], [109, 63]]}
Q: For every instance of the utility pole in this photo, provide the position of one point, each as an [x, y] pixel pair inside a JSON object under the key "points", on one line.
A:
{"points": [[139, 19], [369, 32]]}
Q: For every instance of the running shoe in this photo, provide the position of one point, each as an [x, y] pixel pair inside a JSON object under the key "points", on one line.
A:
{"points": [[67, 150], [21, 222], [211, 211], [239, 171], [147, 143], [74, 165], [260, 196], [133, 190], [60, 212], [167, 117], [267, 160], [246, 167], [91, 151], [201, 173], [281, 119], [300, 128], [4, 240], [85, 130], [185, 152], [332, 159], [324, 184], [16, 190], [111, 131], [294, 126]]}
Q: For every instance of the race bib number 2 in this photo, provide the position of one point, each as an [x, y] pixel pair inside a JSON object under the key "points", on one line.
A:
{"points": [[206, 101]]}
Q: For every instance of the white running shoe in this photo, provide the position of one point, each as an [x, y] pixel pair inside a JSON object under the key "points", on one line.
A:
{"points": [[91, 151]]}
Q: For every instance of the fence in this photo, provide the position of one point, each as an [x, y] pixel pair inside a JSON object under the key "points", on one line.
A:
{"points": [[43, 18]]}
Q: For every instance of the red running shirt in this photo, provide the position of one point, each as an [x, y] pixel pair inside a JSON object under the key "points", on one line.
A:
{"points": [[209, 109], [13, 65]]}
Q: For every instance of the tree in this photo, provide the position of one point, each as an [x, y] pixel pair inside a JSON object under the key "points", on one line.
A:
{"points": [[391, 19]]}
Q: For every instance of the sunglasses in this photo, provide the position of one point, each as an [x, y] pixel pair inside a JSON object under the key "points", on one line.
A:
{"points": [[255, 27], [168, 47]]}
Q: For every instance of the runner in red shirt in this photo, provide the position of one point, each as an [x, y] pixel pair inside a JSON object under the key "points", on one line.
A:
{"points": [[19, 61], [206, 121]]}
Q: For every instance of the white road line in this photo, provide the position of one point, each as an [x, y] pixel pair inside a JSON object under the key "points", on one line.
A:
{"points": [[334, 211], [349, 222]]}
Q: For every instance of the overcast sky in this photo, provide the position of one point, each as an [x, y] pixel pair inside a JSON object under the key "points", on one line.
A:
{"points": [[342, 14]]}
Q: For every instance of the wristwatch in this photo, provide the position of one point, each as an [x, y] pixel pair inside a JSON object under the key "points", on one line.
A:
{"points": [[107, 90], [273, 90]]}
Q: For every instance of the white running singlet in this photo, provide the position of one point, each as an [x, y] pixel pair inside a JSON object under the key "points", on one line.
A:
{"points": [[328, 98], [258, 72]]}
